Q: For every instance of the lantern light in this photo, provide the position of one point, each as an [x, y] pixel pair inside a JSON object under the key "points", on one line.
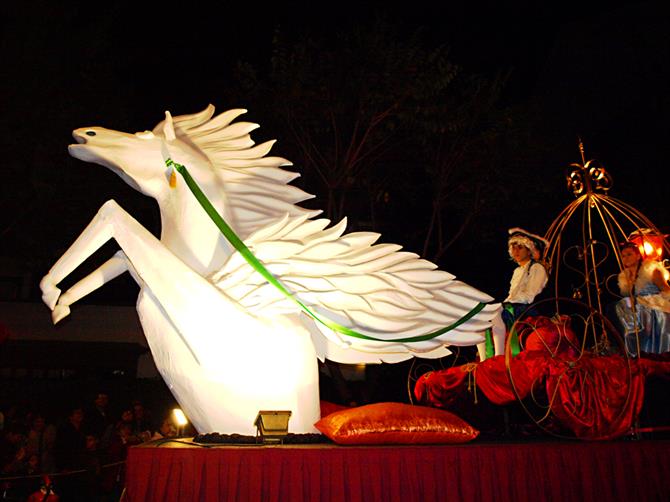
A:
{"points": [[649, 242]]}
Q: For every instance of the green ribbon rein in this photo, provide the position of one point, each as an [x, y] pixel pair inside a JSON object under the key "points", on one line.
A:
{"points": [[241, 248]]}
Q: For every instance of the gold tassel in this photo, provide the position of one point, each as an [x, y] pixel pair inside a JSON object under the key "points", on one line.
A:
{"points": [[173, 179], [471, 369]]}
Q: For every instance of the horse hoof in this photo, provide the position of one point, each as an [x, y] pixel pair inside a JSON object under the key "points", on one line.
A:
{"points": [[60, 312]]}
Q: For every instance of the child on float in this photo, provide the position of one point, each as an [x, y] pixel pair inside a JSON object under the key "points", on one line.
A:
{"points": [[644, 312], [528, 280]]}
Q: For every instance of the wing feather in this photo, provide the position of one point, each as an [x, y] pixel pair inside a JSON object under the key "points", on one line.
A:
{"points": [[375, 289]]}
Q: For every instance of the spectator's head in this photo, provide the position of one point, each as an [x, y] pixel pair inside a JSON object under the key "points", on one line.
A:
{"points": [[138, 410], [76, 417], [168, 428], [92, 442], [101, 400], [127, 416], [125, 430], [39, 423], [33, 462]]}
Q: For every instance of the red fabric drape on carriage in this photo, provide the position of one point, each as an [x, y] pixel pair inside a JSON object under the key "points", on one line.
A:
{"points": [[594, 396]]}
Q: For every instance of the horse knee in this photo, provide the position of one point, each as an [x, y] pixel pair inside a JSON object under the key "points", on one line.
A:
{"points": [[109, 208]]}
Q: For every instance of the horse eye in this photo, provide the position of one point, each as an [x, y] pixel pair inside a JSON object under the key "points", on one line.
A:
{"points": [[90, 133]]}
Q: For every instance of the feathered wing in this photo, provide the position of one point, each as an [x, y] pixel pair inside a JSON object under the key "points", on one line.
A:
{"points": [[376, 290]]}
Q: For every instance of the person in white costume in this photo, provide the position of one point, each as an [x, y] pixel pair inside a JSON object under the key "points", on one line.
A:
{"points": [[530, 277], [528, 280]]}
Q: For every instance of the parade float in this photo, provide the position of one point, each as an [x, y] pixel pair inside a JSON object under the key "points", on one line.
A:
{"points": [[245, 291]]}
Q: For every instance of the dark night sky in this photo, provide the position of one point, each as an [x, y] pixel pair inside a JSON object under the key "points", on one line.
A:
{"points": [[598, 71]]}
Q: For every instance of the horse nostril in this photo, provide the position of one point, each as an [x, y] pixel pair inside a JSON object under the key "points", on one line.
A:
{"points": [[90, 133]]}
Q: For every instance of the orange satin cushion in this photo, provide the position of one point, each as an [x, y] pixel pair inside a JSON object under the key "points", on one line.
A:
{"points": [[395, 423]]}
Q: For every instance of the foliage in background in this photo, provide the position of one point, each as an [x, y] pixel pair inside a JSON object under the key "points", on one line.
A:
{"points": [[380, 124]]}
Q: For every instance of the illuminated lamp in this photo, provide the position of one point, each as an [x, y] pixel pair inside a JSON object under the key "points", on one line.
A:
{"points": [[180, 419], [272, 426], [649, 243]]}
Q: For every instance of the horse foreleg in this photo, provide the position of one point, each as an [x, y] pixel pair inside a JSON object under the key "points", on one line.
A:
{"points": [[89, 241], [191, 302], [109, 270]]}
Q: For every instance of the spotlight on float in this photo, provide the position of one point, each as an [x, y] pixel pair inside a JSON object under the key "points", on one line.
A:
{"points": [[179, 419], [272, 426]]}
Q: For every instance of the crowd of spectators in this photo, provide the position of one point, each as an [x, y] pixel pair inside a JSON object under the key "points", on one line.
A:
{"points": [[80, 456]]}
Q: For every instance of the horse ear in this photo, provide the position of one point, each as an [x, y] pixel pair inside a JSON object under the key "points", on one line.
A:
{"points": [[168, 127]]}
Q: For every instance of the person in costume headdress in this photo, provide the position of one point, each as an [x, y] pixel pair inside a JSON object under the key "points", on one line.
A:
{"points": [[644, 312], [529, 278]]}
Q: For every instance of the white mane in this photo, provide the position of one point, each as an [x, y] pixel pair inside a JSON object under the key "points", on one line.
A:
{"points": [[257, 189]]}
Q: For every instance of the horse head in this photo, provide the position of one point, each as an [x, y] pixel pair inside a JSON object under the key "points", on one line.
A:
{"points": [[249, 188], [219, 154], [139, 159]]}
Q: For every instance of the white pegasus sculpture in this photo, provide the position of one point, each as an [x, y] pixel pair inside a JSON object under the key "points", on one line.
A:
{"points": [[226, 340]]}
